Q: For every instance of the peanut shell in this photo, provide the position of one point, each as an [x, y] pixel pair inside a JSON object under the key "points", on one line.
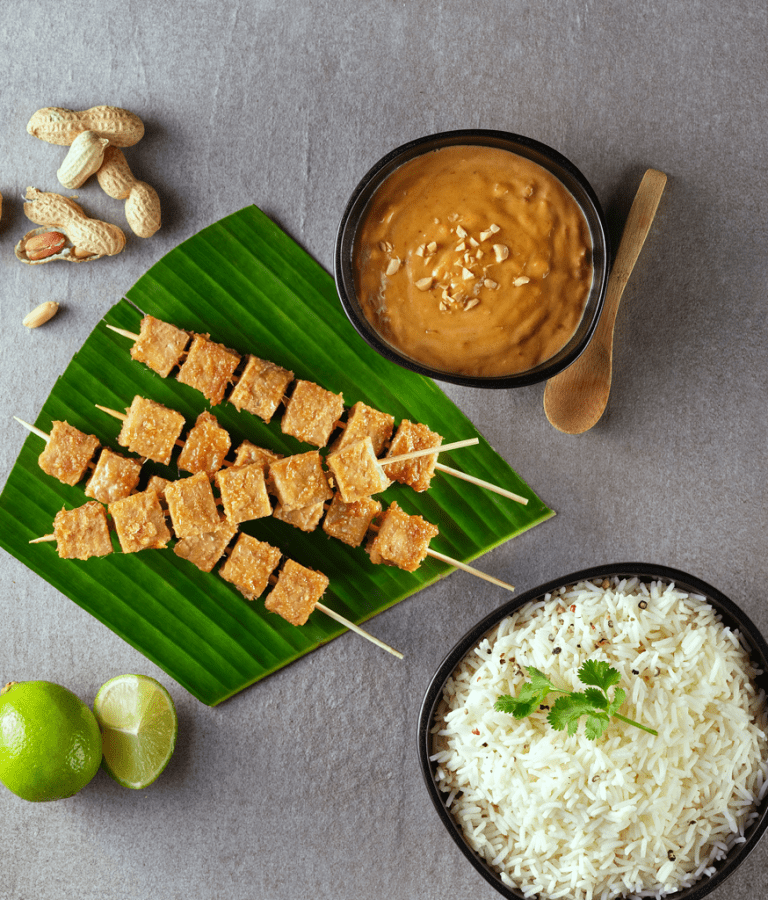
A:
{"points": [[85, 156], [89, 236], [142, 210], [115, 176], [142, 207], [57, 125]]}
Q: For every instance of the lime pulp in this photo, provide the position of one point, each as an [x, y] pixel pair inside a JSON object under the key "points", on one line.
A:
{"points": [[138, 725]]}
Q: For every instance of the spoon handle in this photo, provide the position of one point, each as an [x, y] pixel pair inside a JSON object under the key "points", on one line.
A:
{"points": [[575, 398], [638, 224]]}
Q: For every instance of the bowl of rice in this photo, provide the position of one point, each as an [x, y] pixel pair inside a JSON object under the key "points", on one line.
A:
{"points": [[547, 814]]}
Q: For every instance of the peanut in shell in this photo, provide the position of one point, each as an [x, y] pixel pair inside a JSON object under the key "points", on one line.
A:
{"points": [[62, 215], [85, 156], [142, 205], [57, 125]]}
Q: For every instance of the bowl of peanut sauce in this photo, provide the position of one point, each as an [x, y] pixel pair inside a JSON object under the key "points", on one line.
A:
{"points": [[474, 257]]}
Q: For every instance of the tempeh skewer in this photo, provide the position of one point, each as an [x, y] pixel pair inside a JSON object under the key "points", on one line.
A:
{"points": [[292, 505], [69, 454], [194, 514], [83, 533], [383, 461], [164, 365], [402, 540]]}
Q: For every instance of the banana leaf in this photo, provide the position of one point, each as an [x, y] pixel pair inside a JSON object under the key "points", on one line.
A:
{"points": [[247, 284]]}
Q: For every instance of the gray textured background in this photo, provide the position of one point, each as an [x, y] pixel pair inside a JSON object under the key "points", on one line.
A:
{"points": [[307, 785]]}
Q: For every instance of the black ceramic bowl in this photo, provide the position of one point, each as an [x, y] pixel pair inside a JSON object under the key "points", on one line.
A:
{"points": [[546, 157], [731, 616]]}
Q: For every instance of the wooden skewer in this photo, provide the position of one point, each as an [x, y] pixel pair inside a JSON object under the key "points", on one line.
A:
{"points": [[33, 429], [460, 565], [45, 537], [385, 461], [124, 333], [112, 412], [480, 483], [352, 627]]}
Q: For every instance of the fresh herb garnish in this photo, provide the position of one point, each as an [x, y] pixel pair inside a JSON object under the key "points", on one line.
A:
{"points": [[567, 710]]}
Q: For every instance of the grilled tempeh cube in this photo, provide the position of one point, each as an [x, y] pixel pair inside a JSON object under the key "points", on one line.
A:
{"points": [[114, 477], [67, 453], [159, 484], [151, 429], [208, 368], [299, 481], [356, 471], [160, 345], [416, 472], [306, 519], [402, 540], [244, 493], [82, 533], [296, 593], [205, 447], [205, 550], [140, 522], [248, 453], [365, 421], [192, 506], [311, 413], [260, 388], [349, 522], [249, 566]]}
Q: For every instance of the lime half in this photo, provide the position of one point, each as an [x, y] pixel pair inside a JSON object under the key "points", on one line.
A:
{"points": [[138, 728]]}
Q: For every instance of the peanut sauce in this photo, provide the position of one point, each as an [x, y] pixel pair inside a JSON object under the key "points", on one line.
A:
{"points": [[474, 260]]}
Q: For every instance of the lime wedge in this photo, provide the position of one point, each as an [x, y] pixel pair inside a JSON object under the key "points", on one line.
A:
{"points": [[138, 727]]}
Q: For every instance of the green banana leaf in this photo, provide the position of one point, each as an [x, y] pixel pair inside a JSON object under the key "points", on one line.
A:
{"points": [[248, 285]]}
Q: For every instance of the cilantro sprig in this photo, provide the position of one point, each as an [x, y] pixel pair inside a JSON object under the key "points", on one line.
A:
{"points": [[570, 706]]}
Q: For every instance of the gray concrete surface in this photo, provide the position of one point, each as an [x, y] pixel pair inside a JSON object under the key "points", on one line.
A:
{"points": [[308, 785]]}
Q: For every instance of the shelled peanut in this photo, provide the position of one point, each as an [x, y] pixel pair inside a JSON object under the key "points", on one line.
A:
{"points": [[84, 239], [41, 314], [142, 205], [61, 126]]}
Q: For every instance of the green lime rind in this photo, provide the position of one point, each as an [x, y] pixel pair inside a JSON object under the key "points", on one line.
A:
{"points": [[50, 742], [139, 726]]}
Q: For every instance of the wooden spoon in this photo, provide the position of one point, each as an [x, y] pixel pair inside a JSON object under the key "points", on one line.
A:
{"points": [[575, 399]]}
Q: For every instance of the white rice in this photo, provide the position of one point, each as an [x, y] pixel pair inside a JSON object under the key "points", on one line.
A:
{"points": [[631, 814]]}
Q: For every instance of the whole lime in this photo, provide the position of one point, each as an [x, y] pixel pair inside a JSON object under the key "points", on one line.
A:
{"points": [[50, 743]]}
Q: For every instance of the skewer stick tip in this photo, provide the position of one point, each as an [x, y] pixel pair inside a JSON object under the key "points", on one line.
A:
{"points": [[111, 412], [352, 627], [480, 483], [472, 571], [33, 429], [124, 333]]}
